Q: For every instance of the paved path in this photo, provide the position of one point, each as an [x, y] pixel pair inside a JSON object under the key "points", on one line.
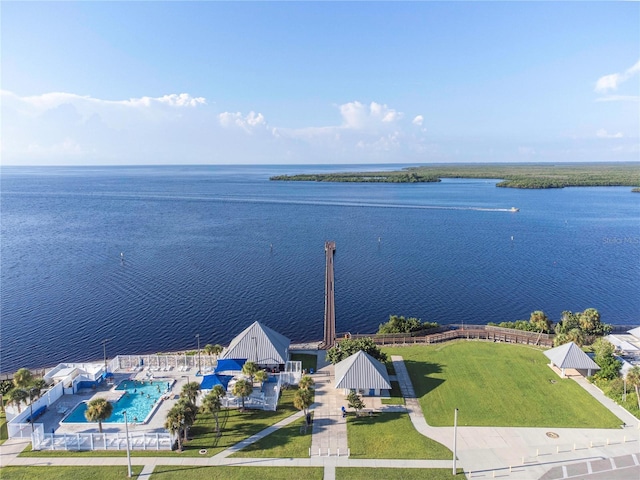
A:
{"points": [[329, 435], [523, 453]]}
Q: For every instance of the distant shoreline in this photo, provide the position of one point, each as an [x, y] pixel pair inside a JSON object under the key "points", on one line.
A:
{"points": [[524, 176]]}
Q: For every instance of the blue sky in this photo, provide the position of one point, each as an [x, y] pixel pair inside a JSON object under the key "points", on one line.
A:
{"points": [[332, 82]]}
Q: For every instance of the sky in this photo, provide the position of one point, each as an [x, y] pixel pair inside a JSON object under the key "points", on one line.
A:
{"points": [[109, 83]]}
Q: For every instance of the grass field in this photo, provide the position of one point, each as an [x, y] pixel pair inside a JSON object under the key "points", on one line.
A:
{"points": [[235, 426], [354, 473], [391, 435], [163, 472], [308, 360], [286, 442], [67, 473], [495, 384], [4, 434]]}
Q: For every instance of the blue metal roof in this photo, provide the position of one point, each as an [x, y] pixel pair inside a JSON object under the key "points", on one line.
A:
{"points": [[230, 364], [210, 381]]}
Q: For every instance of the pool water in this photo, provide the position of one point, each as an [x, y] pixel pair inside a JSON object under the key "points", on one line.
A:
{"points": [[138, 401]]}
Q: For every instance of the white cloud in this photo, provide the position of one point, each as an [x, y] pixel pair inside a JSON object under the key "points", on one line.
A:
{"points": [[359, 116], [247, 122], [418, 120], [602, 133], [70, 128], [612, 81], [47, 101]]}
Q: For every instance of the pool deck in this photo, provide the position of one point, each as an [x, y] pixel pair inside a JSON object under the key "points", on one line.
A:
{"points": [[52, 418]]}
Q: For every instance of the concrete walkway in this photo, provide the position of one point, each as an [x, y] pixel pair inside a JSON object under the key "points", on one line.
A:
{"points": [[523, 453], [329, 435]]}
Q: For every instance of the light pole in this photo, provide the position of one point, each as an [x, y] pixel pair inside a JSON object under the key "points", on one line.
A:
{"points": [[255, 339], [104, 351], [455, 439], [199, 364], [31, 407], [126, 429]]}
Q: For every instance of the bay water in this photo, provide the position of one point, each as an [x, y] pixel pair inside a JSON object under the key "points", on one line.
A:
{"points": [[151, 256]]}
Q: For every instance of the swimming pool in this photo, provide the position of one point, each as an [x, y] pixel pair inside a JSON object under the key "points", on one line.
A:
{"points": [[138, 401]]}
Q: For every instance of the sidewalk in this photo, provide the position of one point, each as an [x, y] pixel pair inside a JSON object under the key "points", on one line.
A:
{"points": [[329, 436]]}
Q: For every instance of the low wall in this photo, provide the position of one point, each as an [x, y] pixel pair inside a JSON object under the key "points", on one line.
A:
{"points": [[100, 441]]}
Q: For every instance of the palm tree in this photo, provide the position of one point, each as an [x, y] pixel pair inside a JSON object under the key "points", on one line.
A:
{"points": [[190, 411], [212, 403], [37, 386], [175, 422], [306, 383], [5, 387], [242, 389], [560, 339], [213, 349], [249, 369], [633, 377], [302, 400], [576, 335], [590, 321], [539, 321], [17, 396], [261, 376], [190, 391], [22, 378], [98, 410]]}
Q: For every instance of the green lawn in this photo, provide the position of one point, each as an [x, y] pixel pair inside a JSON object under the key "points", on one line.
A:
{"points": [[495, 384], [4, 434], [308, 360], [163, 472], [355, 473], [235, 426], [286, 442], [391, 435], [67, 473]]}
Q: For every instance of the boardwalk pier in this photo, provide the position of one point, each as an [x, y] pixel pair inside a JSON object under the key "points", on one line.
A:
{"points": [[329, 297]]}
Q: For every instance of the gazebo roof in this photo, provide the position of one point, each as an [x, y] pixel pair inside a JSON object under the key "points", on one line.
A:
{"points": [[635, 332], [621, 343], [259, 344], [361, 371], [570, 355]]}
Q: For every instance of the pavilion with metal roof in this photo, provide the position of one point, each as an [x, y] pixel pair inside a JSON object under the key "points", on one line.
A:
{"points": [[259, 344], [362, 373], [569, 356]]}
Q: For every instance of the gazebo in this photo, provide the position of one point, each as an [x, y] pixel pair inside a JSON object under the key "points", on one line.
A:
{"points": [[362, 373], [259, 344], [570, 356]]}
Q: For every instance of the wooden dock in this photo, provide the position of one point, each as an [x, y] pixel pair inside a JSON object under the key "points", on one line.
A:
{"points": [[329, 297], [468, 332]]}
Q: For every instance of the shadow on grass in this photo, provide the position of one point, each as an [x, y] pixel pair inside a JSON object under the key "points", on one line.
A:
{"points": [[419, 373]]}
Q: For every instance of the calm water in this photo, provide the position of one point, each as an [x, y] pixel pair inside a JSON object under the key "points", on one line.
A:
{"points": [[198, 257]]}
